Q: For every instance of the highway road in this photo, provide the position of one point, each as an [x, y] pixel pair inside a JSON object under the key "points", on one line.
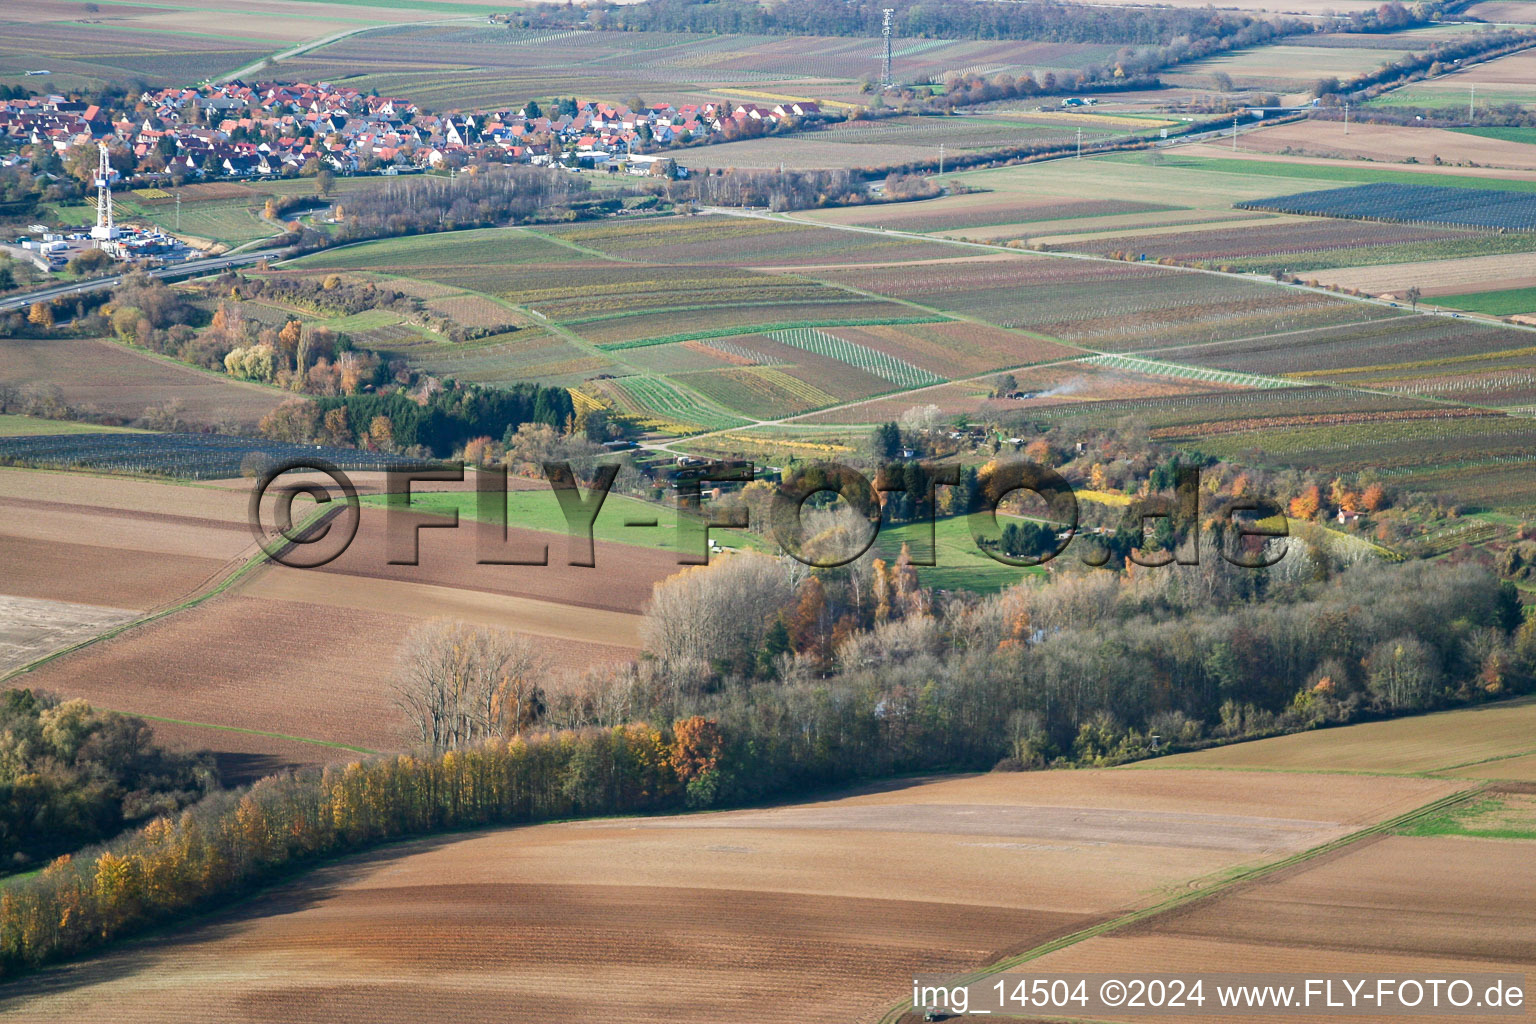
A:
{"points": [[189, 269]]}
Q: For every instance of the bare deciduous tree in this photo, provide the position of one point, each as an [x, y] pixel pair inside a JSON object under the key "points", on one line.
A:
{"points": [[461, 684], [716, 613]]}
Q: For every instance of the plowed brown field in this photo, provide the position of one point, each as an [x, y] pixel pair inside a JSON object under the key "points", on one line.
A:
{"points": [[1390, 143], [1422, 743], [105, 377], [1404, 905], [813, 912], [300, 670], [1437, 277], [96, 574], [201, 500], [294, 665], [621, 580]]}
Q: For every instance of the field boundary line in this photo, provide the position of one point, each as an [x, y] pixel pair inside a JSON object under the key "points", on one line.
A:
{"points": [[584, 250], [240, 572], [302, 48], [1216, 890], [1487, 760], [192, 600], [250, 732], [153, 615]]}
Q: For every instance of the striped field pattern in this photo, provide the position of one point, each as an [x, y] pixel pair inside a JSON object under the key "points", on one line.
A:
{"points": [[881, 364]]}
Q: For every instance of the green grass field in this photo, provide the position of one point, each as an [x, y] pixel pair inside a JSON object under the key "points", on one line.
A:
{"points": [[1504, 302], [1431, 96], [478, 247], [961, 564], [231, 221], [1526, 135], [1507, 816], [540, 510]]}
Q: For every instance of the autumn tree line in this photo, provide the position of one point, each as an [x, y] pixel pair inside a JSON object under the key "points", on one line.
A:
{"points": [[432, 424], [1436, 59], [951, 19], [210, 853], [765, 679]]}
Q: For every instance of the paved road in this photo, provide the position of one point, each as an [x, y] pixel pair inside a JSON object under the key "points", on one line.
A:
{"points": [[189, 269]]}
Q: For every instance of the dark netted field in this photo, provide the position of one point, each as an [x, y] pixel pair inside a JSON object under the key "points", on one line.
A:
{"points": [[1496, 210]]}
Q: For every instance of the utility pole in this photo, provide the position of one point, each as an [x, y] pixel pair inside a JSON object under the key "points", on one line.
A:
{"points": [[885, 69], [178, 211], [941, 159], [1471, 103], [1234, 133], [1346, 117], [1079, 143]]}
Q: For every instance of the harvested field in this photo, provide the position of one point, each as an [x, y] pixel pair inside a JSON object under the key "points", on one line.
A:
{"points": [[201, 500], [1435, 277], [621, 582], [1424, 743], [114, 542], [610, 635], [367, 481], [31, 628], [1285, 66], [1517, 70], [299, 679], [166, 533], [99, 574], [114, 380], [1397, 905], [1504, 11], [1389, 143], [754, 905], [1513, 769], [304, 671]]}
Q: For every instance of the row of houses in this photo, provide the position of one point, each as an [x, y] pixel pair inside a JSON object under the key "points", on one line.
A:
{"points": [[274, 128]]}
